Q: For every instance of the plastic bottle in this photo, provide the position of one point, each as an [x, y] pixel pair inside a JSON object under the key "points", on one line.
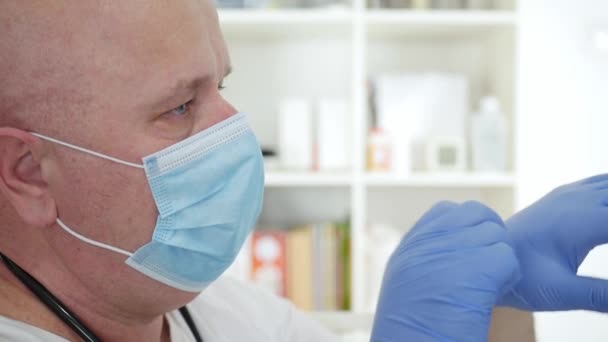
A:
{"points": [[489, 137]]}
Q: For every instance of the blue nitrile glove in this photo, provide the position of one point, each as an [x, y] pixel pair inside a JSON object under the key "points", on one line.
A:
{"points": [[445, 277], [552, 238]]}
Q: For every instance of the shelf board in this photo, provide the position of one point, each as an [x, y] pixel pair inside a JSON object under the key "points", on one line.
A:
{"points": [[422, 180], [285, 22], [289, 22], [307, 179], [386, 22], [442, 180]]}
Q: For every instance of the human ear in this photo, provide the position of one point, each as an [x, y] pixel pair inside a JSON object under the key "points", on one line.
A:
{"points": [[21, 178]]}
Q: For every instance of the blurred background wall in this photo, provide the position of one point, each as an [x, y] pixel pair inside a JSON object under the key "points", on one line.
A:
{"points": [[370, 111], [563, 57]]}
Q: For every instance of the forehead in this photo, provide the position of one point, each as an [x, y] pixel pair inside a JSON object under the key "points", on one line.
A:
{"points": [[156, 31], [106, 49]]}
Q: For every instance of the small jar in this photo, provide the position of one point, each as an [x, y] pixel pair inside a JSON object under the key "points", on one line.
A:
{"points": [[379, 151]]}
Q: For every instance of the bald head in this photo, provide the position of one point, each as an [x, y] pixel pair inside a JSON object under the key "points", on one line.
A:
{"points": [[123, 78], [63, 61], [40, 60]]}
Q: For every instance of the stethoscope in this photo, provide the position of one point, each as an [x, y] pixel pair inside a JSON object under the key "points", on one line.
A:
{"points": [[67, 316]]}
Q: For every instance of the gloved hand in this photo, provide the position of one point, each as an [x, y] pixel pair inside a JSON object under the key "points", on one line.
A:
{"points": [[552, 238], [446, 276]]}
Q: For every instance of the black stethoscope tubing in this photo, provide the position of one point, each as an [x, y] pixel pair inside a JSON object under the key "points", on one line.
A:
{"points": [[67, 316]]}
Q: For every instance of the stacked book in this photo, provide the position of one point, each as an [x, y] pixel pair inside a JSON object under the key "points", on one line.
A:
{"points": [[309, 264]]}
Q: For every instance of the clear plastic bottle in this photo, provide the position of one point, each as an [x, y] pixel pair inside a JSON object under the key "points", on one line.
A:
{"points": [[489, 135]]}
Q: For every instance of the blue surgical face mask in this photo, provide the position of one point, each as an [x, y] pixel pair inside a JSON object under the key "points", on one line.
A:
{"points": [[209, 192]]}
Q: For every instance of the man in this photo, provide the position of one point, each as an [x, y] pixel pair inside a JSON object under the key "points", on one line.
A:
{"points": [[128, 185], [140, 76]]}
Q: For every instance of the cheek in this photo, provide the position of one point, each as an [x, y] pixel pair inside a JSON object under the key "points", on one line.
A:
{"points": [[107, 202], [134, 209]]}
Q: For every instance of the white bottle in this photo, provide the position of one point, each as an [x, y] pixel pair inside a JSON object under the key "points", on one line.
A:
{"points": [[489, 137], [295, 134]]}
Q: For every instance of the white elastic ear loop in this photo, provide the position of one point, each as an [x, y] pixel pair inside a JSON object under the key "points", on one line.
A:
{"points": [[93, 242], [97, 154]]}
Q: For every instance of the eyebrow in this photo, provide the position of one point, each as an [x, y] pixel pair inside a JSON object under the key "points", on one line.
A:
{"points": [[195, 83], [184, 87], [228, 71]]}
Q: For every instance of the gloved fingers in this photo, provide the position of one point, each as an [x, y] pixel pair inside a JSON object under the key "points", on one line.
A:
{"points": [[591, 234], [467, 214], [603, 196], [456, 238], [503, 266], [603, 185], [594, 179], [436, 212], [582, 293]]}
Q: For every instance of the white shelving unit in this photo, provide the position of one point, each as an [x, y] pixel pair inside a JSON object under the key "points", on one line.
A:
{"points": [[345, 179], [307, 179], [316, 53], [285, 23], [437, 23], [486, 181]]}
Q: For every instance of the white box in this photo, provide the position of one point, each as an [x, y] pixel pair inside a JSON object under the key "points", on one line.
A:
{"points": [[295, 134], [333, 136], [414, 108]]}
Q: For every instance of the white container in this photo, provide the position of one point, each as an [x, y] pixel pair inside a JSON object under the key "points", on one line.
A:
{"points": [[295, 134], [489, 137], [333, 128]]}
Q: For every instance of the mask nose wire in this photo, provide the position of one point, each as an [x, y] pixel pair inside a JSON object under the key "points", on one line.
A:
{"points": [[84, 150]]}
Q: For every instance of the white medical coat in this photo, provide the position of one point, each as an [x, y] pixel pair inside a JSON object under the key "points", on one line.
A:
{"points": [[227, 311]]}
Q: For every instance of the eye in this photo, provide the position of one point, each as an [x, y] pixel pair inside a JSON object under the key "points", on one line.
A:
{"points": [[221, 86], [181, 110]]}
